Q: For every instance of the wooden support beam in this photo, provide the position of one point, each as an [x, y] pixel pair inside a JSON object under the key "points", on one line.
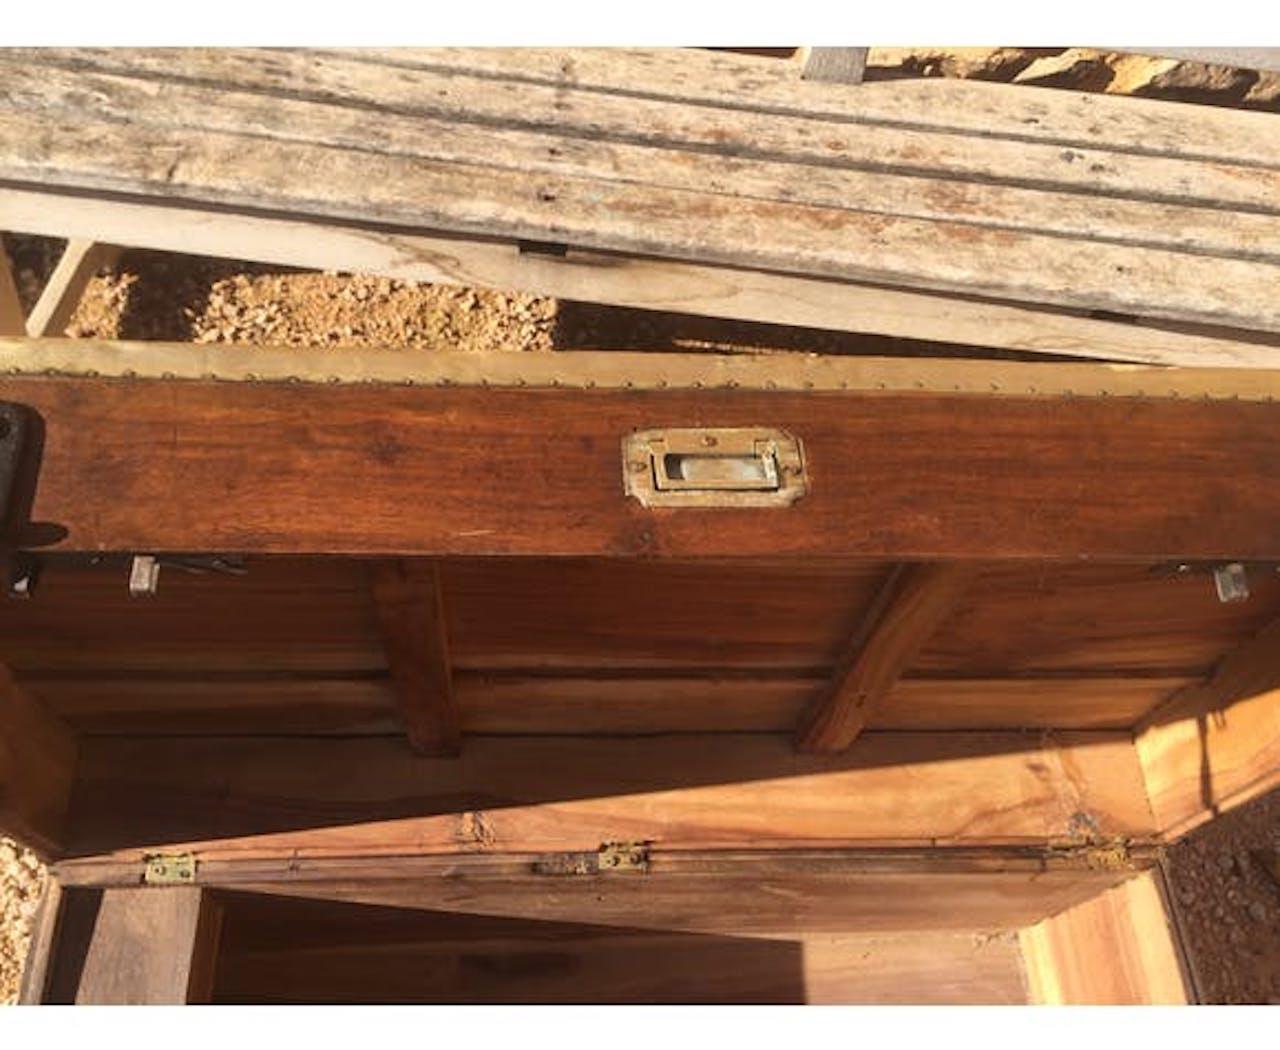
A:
{"points": [[11, 316], [37, 765], [1117, 949], [151, 946], [409, 603], [912, 604], [57, 303], [843, 65], [1216, 744], [470, 461]]}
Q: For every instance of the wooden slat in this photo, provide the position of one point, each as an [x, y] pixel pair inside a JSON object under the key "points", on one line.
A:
{"points": [[151, 947], [37, 970], [580, 199], [1214, 745], [12, 318], [410, 609], [37, 764], [260, 796], [971, 107], [326, 98], [1117, 949], [912, 603], [465, 471], [80, 261], [654, 284]]}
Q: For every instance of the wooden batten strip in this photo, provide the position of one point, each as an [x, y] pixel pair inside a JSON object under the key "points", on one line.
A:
{"points": [[12, 318], [624, 370], [409, 603], [1214, 745], [912, 604], [57, 303], [647, 283]]}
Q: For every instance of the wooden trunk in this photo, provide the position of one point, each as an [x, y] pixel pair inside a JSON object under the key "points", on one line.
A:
{"points": [[428, 706]]}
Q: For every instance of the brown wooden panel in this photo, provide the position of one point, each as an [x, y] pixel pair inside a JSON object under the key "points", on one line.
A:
{"points": [[261, 796], [750, 903], [312, 951], [1071, 617], [328, 469], [151, 946], [283, 614], [517, 704], [591, 613], [1115, 949], [38, 755]]}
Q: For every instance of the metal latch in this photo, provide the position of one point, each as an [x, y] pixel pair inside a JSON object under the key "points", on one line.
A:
{"points": [[169, 869], [713, 467]]}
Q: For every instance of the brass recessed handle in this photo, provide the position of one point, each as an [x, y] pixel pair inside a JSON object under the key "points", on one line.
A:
{"points": [[713, 467]]}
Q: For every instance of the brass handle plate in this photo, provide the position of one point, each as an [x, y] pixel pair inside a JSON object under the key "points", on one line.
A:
{"points": [[713, 467]]}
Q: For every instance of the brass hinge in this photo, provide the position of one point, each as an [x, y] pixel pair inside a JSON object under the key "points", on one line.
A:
{"points": [[169, 869], [610, 857]]}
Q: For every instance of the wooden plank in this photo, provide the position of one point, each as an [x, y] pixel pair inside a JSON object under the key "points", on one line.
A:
{"points": [[841, 65], [913, 602], [410, 608], [1079, 477], [152, 946], [37, 766], [675, 215], [80, 261], [1117, 949], [311, 951], [518, 704], [255, 797], [758, 893], [312, 620], [1215, 744], [37, 970], [770, 906], [358, 955], [653, 284], [326, 99], [12, 317], [1066, 118]]}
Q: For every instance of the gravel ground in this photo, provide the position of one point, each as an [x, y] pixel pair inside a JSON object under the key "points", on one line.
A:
{"points": [[1230, 908], [1229, 904]]}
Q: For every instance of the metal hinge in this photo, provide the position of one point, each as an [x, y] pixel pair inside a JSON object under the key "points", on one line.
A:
{"points": [[169, 869], [610, 857]]}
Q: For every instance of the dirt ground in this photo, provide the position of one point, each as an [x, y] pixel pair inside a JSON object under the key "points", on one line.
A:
{"points": [[1229, 907]]}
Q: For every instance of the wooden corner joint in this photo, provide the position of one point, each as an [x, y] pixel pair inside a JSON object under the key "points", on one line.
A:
{"points": [[912, 603]]}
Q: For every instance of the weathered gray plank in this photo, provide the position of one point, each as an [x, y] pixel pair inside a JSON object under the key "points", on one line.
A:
{"points": [[764, 234], [653, 284]]}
